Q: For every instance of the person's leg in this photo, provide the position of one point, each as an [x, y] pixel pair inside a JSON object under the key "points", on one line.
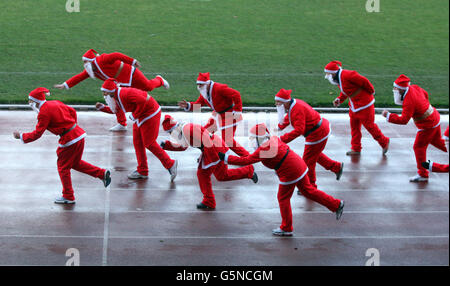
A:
{"points": [[204, 181], [223, 173], [310, 156], [284, 201], [82, 166], [66, 158], [139, 81], [318, 196], [149, 133], [140, 151], [355, 127], [420, 150], [368, 121]]}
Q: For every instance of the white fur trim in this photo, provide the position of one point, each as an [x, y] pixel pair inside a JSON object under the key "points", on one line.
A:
{"points": [[134, 62], [21, 138], [387, 116], [296, 180], [401, 87], [203, 82], [66, 85], [188, 107], [282, 99], [107, 90], [318, 141], [73, 141], [330, 71], [87, 59], [360, 108], [139, 123], [227, 154], [36, 100]]}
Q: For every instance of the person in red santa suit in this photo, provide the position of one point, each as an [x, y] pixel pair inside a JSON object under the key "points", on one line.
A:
{"points": [[61, 120], [436, 167], [316, 130], [360, 93], [114, 65], [184, 135], [226, 104], [146, 114], [291, 171], [415, 104]]}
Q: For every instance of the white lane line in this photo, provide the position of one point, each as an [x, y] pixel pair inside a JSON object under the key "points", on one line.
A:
{"points": [[228, 237], [107, 210]]}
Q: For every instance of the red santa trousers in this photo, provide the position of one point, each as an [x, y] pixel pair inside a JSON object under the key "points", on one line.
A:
{"points": [[310, 192], [139, 81], [145, 137], [70, 158], [366, 118], [222, 173], [425, 137], [313, 153], [439, 168]]}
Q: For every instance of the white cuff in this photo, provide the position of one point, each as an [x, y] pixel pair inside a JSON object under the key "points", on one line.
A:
{"points": [[66, 85], [387, 116], [227, 154], [21, 138], [188, 107], [134, 62]]}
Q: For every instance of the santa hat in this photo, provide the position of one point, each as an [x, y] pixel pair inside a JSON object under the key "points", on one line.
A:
{"points": [[283, 95], [203, 78], [90, 55], [38, 94], [402, 82], [110, 85], [260, 130], [333, 67], [169, 123]]}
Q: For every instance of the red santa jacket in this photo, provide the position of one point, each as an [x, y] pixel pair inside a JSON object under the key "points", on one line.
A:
{"points": [[209, 144], [303, 119], [270, 154], [357, 88], [59, 119], [138, 102], [114, 65], [415, 105], [222, 99]]}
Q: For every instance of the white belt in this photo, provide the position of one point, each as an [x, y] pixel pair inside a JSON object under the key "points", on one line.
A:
{"points": [[73, 141]]}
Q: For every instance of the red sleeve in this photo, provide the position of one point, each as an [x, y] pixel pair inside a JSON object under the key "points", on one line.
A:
{"points": [[41, 126], [342, 97], [111, 58], [407, 113], [200, 100], [169, 146], [71, 82], [363, 82], [106, 109], [243, 161], [299, 125]]}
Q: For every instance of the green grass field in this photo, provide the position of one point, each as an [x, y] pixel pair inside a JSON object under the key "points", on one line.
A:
{"points": [[255, 46]]}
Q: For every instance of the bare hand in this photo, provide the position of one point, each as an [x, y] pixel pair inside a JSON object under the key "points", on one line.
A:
{"points": [[16, 135], [384, 113], [99, 105], [183, 104], [59, 86], [336, 102]]}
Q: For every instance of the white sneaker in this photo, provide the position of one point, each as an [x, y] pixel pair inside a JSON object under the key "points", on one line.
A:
{"points": [[418, 178], [166, 84], [136, 175], [173, 171], [118, 127], [62, 200], [280, 232]]}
